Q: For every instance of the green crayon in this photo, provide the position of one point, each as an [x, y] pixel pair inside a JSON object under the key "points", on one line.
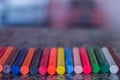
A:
{"points": [[93, 60], [101, 60]]}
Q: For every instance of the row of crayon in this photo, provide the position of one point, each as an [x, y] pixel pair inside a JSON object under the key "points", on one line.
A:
{"points": [[53, 60]]}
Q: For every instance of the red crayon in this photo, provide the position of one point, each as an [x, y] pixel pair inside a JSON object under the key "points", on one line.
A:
{"points": [[2, 50], [44, 62], [52, 61], [87, 69]]}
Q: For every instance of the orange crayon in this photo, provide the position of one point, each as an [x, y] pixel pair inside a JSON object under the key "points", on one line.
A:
{"points": [[52, 61], [27, 61], [5, 56]]}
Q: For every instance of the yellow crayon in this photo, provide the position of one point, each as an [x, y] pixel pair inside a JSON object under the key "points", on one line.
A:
{"points": [[60, 61]]}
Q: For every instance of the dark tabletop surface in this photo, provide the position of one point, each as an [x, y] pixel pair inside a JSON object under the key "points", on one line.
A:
{"points": [[37, 37], [42, 37]]}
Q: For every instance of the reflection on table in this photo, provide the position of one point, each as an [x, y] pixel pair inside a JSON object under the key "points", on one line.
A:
{"points": [[61, 77]]}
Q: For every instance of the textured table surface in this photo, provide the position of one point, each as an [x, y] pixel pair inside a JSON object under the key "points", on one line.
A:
{"points": [[37, 37]]}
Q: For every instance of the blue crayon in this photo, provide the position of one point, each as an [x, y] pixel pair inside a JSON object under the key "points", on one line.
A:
{"points": [[18, 61], [69, 60]]}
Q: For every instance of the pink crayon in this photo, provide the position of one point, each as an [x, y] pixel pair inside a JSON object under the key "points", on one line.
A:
{"points": [[44, 62], [77, 61]]}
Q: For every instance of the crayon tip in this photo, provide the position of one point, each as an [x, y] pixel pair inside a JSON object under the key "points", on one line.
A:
{"points": [[114, 69], [33, 70], [70, 69], [87, 69], [60, 70], [15, 69], [51, 70], [1, 68], [6, 69], [78, 69], [104, 68], [96, 68], [24, 70], [42, 70]]}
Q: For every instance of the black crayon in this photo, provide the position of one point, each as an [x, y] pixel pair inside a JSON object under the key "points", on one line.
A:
{"points": [[18, 62], [35, 62]]}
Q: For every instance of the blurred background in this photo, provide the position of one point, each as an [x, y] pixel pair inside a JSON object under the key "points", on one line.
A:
{"points": [[60, 13]]}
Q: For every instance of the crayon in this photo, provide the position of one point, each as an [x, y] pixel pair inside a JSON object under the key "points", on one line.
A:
{"points": [[36, 61], [60, 61], [52, 61], [93, 60], [77, 61], [102, 61], [27, 61], [113, 67], [87, 69], [44, 62], [10, 61], [115, 56], [2, 51], [15, 69], [69, 60], [5, 56]]}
